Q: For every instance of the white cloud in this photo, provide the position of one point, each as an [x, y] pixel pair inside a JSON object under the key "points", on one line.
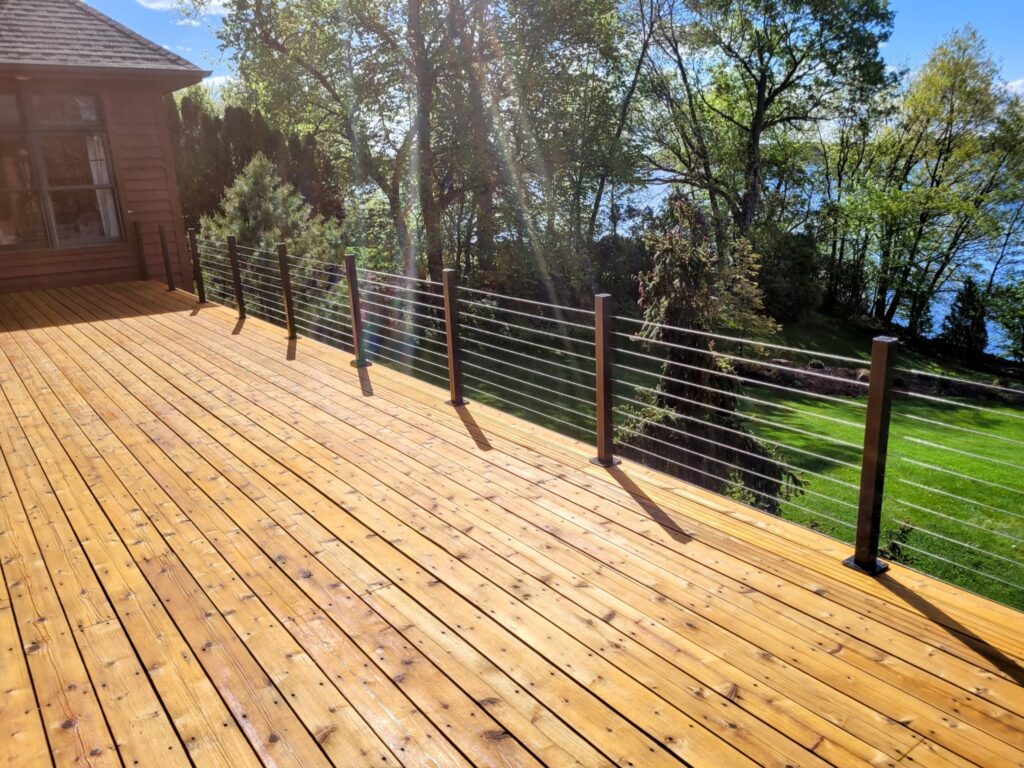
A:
{"points": [[213, 8], [1016, 86]]}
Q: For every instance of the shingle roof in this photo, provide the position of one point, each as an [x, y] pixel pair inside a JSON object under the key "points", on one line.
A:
{"points": [[68, 33]]}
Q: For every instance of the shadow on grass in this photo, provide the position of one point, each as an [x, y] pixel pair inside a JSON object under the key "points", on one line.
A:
{"points": [[472, 428], [659, 515], [929, 610]]}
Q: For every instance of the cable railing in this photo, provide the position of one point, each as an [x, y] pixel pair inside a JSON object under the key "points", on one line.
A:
{"points": [[921, 468]]}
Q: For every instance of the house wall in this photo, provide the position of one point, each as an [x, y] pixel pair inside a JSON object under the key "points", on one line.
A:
{"points": [[147, 193]]}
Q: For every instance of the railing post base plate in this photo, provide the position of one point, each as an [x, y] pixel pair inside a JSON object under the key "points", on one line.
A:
{"points": [[458, 404], [879, 566], [360, 363], [605, 463]]}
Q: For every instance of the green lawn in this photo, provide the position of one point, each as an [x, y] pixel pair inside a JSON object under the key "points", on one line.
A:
{"points": [[945, 512]]}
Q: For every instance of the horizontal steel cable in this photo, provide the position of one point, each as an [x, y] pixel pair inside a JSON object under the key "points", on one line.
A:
{"points": [[531, 397], [692, 452], [429, 351], [738, 395], [390, 328], [956, 428], [405, 289], [525, 301], [403, 321], [532, 358], [491, 395], [769, 385], [709, 441], [955, 404], [542, 387], [738, 358], [397, 276], [954, 379], [377, 354], [560, 379], [961, 566], [556, 350], [530, 315], [377, 344], [960, 475], [403, 300], [405, 310], [949, 495], [740, 414], [733, 483], [723, 374], [752, 342], [528, 330], [950, 518], [321, 319], [320, 328], [968, 454]]}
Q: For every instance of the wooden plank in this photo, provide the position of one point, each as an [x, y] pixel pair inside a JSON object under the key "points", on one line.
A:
{"points": [[204, 724], [68, 703], [328, 718], [23, 738]]}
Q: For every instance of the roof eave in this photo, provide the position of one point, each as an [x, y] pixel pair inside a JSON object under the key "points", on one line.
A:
{"points": [[171, 79]]}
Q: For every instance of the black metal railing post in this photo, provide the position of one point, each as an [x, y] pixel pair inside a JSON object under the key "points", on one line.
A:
{"points": [[141, 247], [236, 275], [872, 471], [167, 257], [355, 309], [603, 386], [286, 289], [197, 268], [450, 284]]}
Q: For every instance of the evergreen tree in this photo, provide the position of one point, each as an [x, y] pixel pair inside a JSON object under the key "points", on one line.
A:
{"points": [[691, 419], [261, 210], [964, 328]]}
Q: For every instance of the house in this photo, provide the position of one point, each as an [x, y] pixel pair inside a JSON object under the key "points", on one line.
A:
{"points": [[86, 167]]}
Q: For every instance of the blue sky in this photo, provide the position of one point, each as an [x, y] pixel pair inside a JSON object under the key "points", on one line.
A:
{"points": [[920, 24]]}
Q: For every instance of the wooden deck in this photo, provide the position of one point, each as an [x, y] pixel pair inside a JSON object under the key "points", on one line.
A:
{"points": [[217, 550]]}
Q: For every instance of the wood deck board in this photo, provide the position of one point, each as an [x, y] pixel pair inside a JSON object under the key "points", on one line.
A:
{"points": [[304, 563]]}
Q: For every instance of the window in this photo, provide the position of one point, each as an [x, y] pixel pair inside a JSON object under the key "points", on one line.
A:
{"points": [[56, 186]]}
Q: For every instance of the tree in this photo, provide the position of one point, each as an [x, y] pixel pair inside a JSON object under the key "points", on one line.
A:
{"points": [[738, 74], [694, 407], [1008, 312], [964, 329], [261, 210]]}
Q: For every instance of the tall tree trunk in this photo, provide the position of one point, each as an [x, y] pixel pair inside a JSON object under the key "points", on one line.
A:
{"points": [[430, 207]]}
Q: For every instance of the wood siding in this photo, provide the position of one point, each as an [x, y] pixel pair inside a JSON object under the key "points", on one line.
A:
{"points": [[147, 193]]}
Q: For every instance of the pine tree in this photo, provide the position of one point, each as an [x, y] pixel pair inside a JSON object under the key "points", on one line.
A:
{"points": [[964, 330]]}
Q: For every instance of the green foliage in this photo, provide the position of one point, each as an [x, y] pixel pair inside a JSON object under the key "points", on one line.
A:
{"points": [[693, 286], [261, 210], [965, 329], [214, 143], [1008, 311], [789, 275]]}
